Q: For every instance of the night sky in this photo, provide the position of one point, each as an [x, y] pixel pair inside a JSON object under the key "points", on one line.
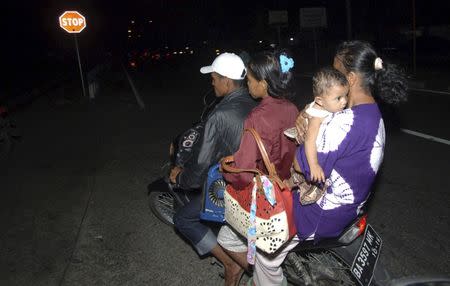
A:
{"points": [[32, 31], [184, 20]]}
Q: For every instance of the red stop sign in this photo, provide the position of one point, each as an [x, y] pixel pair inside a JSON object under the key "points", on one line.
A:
{"points": [[72, 22]]}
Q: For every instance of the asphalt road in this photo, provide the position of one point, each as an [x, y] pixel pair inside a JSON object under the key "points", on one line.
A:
{"points": [[73, 209]]}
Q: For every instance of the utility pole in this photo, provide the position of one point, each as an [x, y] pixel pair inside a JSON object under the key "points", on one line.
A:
{"points": [[414, 34], [349, 18]]}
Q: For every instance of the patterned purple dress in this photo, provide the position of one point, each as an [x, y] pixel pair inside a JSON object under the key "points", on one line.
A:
{"points": [[350, 147]]}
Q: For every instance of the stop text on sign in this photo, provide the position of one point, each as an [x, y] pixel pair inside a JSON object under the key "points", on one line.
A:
{"points": [[72, 22]]}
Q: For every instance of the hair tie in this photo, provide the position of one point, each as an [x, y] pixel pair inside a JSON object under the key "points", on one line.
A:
{"points": [[286, 63], [378, 64]]}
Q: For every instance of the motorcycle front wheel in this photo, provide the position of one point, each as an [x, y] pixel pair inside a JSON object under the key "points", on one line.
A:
{"points": [[318, 268], [162, 205]]}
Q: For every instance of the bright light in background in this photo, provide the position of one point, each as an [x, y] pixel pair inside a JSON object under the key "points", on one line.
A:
{"points": [[217, 51], [167, 47], [187, 48], [291, 39], [132, 21], [129, 31], [150, 21], [181, 52], [192, 52], [175, 53], [260, 42]]}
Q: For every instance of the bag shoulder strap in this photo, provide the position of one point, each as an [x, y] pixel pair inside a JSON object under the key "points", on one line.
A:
{"points": [[225, 165], [269, 165]]}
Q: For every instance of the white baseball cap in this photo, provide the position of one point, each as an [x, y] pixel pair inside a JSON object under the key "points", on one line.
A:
{"points": [[227, 64]]}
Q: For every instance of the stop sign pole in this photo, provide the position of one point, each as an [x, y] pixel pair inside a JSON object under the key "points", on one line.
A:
{"points": [[79, 65], [73, 22]]}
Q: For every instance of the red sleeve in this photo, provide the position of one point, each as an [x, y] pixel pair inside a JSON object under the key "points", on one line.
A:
{"points": [[245, 158]]}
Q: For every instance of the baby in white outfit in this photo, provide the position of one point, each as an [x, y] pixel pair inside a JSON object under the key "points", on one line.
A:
{"points": [[330, 89]]}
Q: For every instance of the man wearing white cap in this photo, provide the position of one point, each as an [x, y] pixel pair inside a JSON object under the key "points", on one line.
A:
{"points": [[221, 137]]}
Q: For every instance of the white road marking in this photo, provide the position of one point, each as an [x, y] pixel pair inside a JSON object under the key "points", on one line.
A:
{"points": [[430, 91], [425, 136]]}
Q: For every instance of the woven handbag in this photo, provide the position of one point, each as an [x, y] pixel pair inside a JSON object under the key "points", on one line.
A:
{"points": [[273, 222]]}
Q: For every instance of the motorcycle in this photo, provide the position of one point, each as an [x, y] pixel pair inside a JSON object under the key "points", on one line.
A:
{"points": [[350, 259], [9, 133]]}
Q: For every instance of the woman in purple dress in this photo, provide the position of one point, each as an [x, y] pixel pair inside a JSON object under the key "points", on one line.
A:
{"points": [[350, 144]]}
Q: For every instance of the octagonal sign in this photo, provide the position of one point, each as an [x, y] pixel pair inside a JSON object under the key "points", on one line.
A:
{"points": [[72, 22]]}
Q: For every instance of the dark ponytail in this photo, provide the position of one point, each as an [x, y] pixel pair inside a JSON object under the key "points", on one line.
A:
{"points": [[385, 81], [390, 84]]}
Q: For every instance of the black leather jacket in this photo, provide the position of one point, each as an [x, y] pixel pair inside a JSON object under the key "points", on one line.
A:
{"points": [[221, 137]]}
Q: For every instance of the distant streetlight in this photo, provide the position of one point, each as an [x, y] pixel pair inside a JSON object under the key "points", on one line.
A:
{"points": [[150, 21], [132, 21], [260, 42], [129, 31], [291, 39]]}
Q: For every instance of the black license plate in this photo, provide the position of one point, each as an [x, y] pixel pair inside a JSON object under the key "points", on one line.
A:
{"points": [[367, 257]]}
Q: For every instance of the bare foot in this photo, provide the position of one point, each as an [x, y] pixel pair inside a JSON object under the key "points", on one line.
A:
{"points": [[233, 273]]}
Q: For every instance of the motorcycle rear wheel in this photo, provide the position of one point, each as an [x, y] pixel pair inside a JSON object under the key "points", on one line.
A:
{"points": [[317, 268], [162, 205]]}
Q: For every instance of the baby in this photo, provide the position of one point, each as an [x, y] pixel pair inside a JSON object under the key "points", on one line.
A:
{"points": [[330, 89]]}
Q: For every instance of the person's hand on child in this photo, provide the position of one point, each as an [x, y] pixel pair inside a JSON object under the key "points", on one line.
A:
{"points": [[302, 125], [317, 174]]}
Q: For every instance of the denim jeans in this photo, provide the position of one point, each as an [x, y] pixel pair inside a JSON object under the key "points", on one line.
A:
{"points": [[187, 222]]}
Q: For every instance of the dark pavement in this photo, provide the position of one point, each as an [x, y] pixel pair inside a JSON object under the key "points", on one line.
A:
{"points": [[74, 209]]}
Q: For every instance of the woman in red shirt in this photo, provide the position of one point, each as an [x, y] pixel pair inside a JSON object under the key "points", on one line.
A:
{"points": [[269, 77]]}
